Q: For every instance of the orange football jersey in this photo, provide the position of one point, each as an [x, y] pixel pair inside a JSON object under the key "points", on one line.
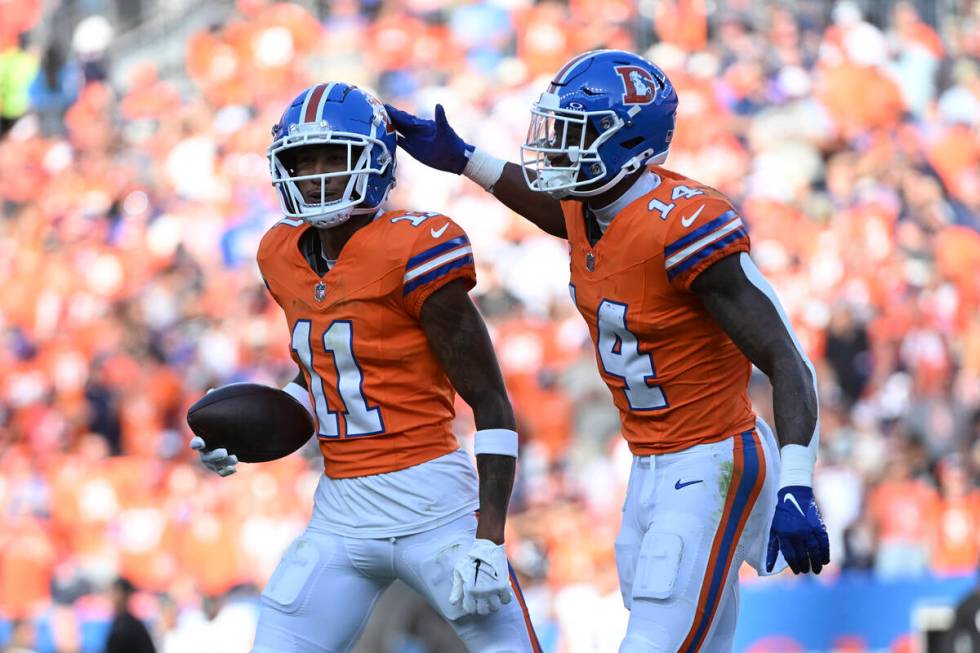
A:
{"points": [[676, 377], [382, 400]]}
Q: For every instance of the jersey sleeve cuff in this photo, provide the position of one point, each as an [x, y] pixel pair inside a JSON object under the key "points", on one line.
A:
{"points": [[685, 278], [415, 299]]}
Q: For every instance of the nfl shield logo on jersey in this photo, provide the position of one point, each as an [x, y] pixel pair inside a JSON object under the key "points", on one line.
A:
{"points": [[319, 291]]}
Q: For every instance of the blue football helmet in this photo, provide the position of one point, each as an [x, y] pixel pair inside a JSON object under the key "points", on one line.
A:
{"points": [[334, 113], [606, 114]]}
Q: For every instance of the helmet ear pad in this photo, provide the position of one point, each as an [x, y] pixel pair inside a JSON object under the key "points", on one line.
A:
{"points": [[598, 182], [590, 172], [625, 142]]}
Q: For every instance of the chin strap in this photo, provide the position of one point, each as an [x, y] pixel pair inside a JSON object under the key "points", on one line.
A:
{"points": [[629, 167], [331, 219], [337, 218]]}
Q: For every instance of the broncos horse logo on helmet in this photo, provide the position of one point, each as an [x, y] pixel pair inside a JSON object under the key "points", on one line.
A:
{"points": [[606, 114], [335, 114]]}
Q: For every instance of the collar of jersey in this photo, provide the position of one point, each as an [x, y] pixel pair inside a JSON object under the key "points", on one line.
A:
{"points": [[332, 261], [643, 185]]}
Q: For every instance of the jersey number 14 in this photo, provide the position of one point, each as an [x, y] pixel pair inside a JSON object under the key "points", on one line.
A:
{"points": [[338, 342]]}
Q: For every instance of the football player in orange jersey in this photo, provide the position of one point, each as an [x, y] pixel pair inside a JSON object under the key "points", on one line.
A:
{"points": [[383, 331], [678, 313]]}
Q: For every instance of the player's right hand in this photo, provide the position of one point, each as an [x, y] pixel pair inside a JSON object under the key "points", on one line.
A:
{"points": [[431, 142], [218, 461]]}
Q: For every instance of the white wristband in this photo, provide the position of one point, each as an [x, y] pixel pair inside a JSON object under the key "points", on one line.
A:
{"points": [[300, 394], [797, 465], [483, 168], [502, 442]]}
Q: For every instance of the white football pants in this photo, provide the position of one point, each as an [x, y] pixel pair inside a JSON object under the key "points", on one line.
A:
{"points": [[689, 521], [322, 593]]}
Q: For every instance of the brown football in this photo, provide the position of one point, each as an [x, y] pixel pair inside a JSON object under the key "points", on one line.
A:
{"points": [[255, 422]]}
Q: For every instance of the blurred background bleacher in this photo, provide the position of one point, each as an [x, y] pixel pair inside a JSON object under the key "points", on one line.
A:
{"points": [[134, 189]]}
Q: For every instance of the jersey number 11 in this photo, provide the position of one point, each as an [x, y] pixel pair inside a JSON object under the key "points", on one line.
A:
{"points": [[338, 342]]}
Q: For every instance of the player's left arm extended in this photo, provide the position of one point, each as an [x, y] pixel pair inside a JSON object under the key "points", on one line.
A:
{"points": [[746, 307], [458, 337]]}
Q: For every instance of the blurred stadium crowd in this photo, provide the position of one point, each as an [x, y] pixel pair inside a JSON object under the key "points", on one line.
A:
{"points": [[130, 214]]}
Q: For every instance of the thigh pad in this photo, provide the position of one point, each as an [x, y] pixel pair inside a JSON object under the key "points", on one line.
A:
{"points": [[290, 584], [657, 565]]}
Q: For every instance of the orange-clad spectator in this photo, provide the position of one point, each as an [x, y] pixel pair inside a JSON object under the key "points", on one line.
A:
{"points": [[17, 17], [852, 39], [912, 29], [269, 46], [700, 100], [531, 352], [851, 81], [207, 548], [434, 47], [272, 510], [549, 422], [683, 23], [140, 422], [608, 24], [144, 541], [859, 98], [165, 390], [903, 510], [395, 38], [27, 559], [84, 502], [956, 547], [546, 38], [148, 96], [520, 345], [303, 28], [88, 119], [956, 150], [22, 170], [215, 66], [958, 259]]}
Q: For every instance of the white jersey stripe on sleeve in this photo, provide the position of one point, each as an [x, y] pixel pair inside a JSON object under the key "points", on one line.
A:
{"points": [[432, 264], [721, 232]]}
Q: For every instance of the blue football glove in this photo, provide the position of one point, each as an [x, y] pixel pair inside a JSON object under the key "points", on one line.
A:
{"points": [[798, 531], [431, 142]]}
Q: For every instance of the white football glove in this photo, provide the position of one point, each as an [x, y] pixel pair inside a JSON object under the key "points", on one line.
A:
{"points": [[218, 461], [480, 579]]}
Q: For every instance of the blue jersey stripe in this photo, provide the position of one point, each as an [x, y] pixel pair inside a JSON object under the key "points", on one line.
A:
{"points": [[704, 253], [436, 251], [750, 474], [700, 232], [438, 272]]}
